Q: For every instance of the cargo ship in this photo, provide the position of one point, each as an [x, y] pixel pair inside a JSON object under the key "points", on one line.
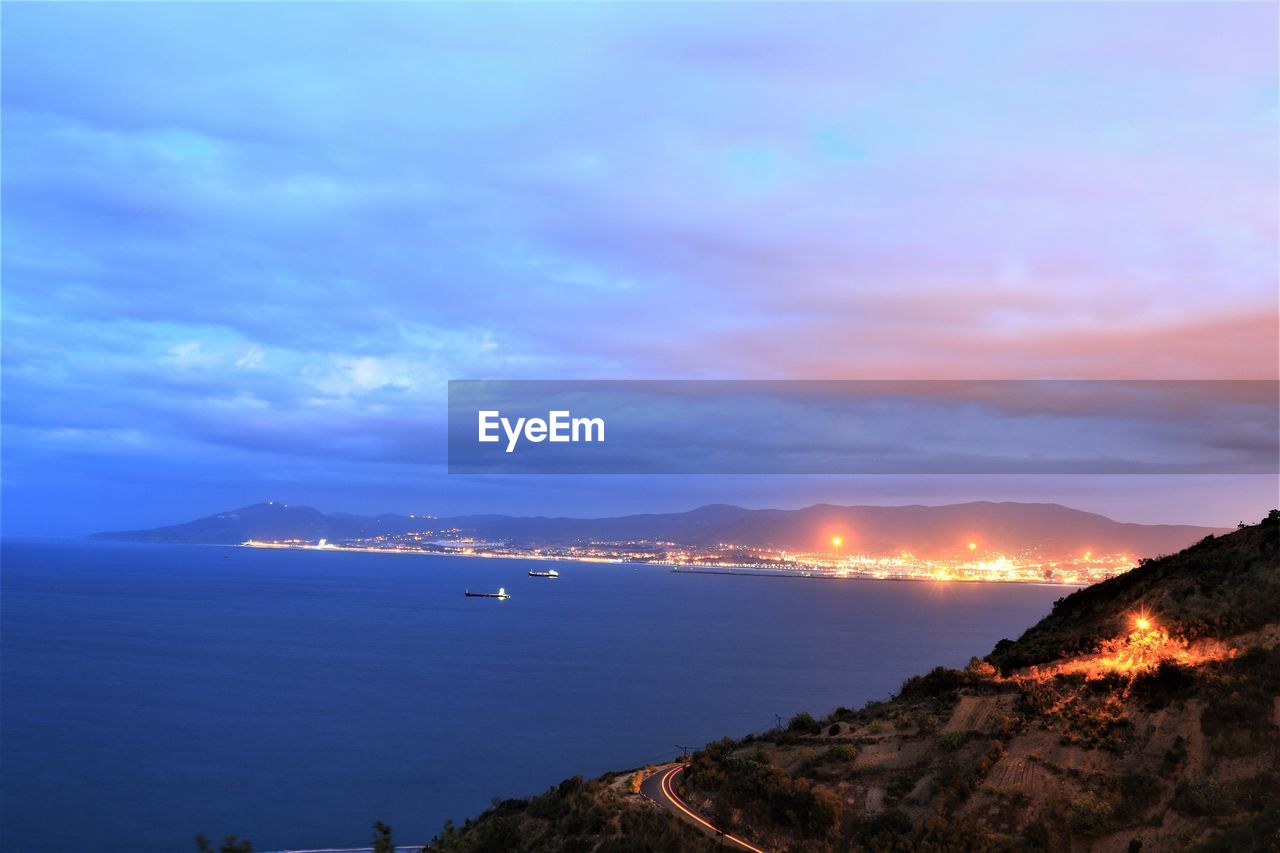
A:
{"points": [[551, 573], [501, 593]]}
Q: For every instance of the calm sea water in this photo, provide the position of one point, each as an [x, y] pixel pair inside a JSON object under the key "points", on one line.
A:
{"points": [[151, 692]]}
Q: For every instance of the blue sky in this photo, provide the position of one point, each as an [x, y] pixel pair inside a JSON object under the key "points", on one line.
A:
{"points": [[245, 246]]}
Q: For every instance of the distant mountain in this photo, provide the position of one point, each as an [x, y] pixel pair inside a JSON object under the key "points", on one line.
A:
{"points": [[271, 521], [924, 530]]}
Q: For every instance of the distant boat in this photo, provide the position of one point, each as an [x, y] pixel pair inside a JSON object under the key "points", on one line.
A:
{"points": [[501, 593], [552, 573]]}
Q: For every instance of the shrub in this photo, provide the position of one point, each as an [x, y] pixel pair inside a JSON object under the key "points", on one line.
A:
{"points": [[383, 842], [980, 669], [1204, 797], [1010, 725], [1168, 682], [937, 682], [817, 810], [1254, 834], [804, 723], [1090, 815]]}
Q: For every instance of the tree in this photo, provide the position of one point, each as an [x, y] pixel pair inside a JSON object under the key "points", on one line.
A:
{"points": [[382, 842]]}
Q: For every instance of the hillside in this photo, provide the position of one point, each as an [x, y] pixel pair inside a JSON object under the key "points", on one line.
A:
{"points": [[1219, 587], [270, 520], [1051, 529], [1141, 714]]}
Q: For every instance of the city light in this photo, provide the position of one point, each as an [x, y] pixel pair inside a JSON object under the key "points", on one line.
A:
{"points": [[1028, 564]]}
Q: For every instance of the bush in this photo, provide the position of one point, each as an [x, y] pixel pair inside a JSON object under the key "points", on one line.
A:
{"points": [[1204, 797], [804, 723], [1091, 815], [937, 682], [815, 811], [1167, 683], [980, 669], [1254, 834]]}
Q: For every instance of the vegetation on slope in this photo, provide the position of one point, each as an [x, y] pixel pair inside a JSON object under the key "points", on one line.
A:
{"points": [[1091, 732], [1219, 587], [606, 815]]}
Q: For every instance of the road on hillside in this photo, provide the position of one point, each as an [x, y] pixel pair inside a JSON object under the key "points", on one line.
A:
{"points": [[659, 787]]}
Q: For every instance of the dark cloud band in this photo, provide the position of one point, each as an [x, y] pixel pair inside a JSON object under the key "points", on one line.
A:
{"points": [[865, 427]]}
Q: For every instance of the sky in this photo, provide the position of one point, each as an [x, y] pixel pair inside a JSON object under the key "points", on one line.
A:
{"points": [[246, 246]]}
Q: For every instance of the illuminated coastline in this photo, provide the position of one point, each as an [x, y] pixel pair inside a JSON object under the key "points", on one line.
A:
{"points": [[970, 564]]}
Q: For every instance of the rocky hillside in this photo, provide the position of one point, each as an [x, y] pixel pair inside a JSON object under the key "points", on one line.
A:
{"points": [[1142, 714], [1219, 587]]}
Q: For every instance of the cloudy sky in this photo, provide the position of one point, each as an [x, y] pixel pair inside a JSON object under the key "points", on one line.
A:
{"points": [[245, 246]]}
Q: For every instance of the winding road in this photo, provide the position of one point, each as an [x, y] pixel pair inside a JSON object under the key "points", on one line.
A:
{"points": [[659, 787]]}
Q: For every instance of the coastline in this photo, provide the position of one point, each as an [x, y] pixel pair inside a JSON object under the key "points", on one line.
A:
{"points": [[675, 568]]}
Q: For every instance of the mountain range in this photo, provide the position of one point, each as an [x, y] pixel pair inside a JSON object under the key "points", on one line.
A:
{"points": [[1051, 529]]}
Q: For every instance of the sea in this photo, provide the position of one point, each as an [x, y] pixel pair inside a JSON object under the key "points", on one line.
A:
{"points": [[294, 697]]}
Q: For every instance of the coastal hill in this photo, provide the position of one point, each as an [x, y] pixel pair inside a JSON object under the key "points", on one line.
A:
{"points": [[926, 531], [1142, 714]]}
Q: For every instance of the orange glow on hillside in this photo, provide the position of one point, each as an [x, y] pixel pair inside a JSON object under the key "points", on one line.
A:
{"points": [[1144, 649]]}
